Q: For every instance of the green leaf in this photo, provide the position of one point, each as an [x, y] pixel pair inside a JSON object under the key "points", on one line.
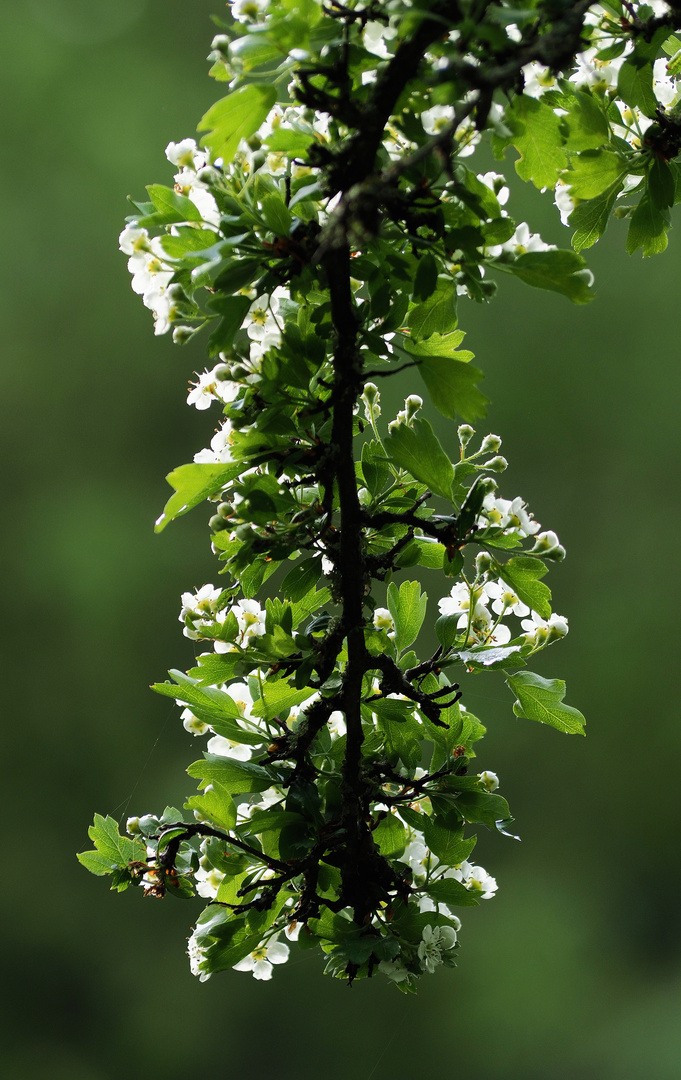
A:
{"points": [[193, 483], [301, 579], [187, 240], [418, 450], [437, 315], [542, 700], [559, 271], [112, 849], [234, 117], [587, 124], [233, 310], [481, 807], [216, 805], [278, 699], [374, 467], [173, 207], [635, 85], [408, 609], [425, 279], [661, 184], [452, 892], [448, 844], [452, 387], [276, 214], [391, 837], [235, 777], [647, 229], [538, 138], [252, 51], [590, 219], [593, 172], [522, 573]]}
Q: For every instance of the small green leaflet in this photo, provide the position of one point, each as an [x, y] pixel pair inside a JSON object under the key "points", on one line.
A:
{"points": [[452, 892], [448, 375], [593, 172], [278, 699], [538, 138], [418, 450], [635, 86], [391, 837], [172, 206], [449, 845], [542, 700], [522, 573], [586, 122], [559, 271], [235, 777], [590, 219], [436, 315], [647, 229], [193, 483], [408, 609], [216, 805], [112, 849], [235, 117]]}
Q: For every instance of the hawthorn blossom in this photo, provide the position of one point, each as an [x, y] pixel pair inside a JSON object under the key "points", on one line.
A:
{"points": [[198, 609], [540, 631], [504, 599], [196, 957], [210, 387], [260, 961], [489, 780], [475, 878], [220, 450], [510, 515], [436, 940], [208, 881], [228, 748]]}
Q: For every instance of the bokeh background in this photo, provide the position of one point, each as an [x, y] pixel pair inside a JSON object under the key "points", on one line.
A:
{"points": [[574, 969]]}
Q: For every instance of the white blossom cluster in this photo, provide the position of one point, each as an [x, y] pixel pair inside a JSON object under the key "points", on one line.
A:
{"points": [[201, 611]]}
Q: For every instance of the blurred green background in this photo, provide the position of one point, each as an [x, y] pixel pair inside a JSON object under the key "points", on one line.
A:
{"points": [[574, 970]]}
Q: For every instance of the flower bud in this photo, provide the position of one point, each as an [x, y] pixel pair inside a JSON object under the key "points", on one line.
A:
{"points": [[490, 444], [183, 334], [220, 45], [132, 826], [216, 523], [412, 405], [465, 433], [497, 464], [490, 780], [483, 562], [225, 510], [548, 546], [223, 373]]}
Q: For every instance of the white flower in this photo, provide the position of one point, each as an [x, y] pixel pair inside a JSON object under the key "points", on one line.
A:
{"points": [[538, 79], [251, 619], [210, 388], [393, 970], [417, 855], [504, 599], [437, 118], [475, 878], [336, 724], [490, 780], [192, 724], [375, 36], [208, 881], [220, 447], [198, 609], [435, 941], [496, 183], [260, 961], [195, 958], [228, 748], [248, 10], [524, 241], [508, 514], [564, 201], [185, 154], [383, 620], [540, 631]]}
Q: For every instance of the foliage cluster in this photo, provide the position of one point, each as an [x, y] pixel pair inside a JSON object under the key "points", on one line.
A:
{"points": [[323, 236]]}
